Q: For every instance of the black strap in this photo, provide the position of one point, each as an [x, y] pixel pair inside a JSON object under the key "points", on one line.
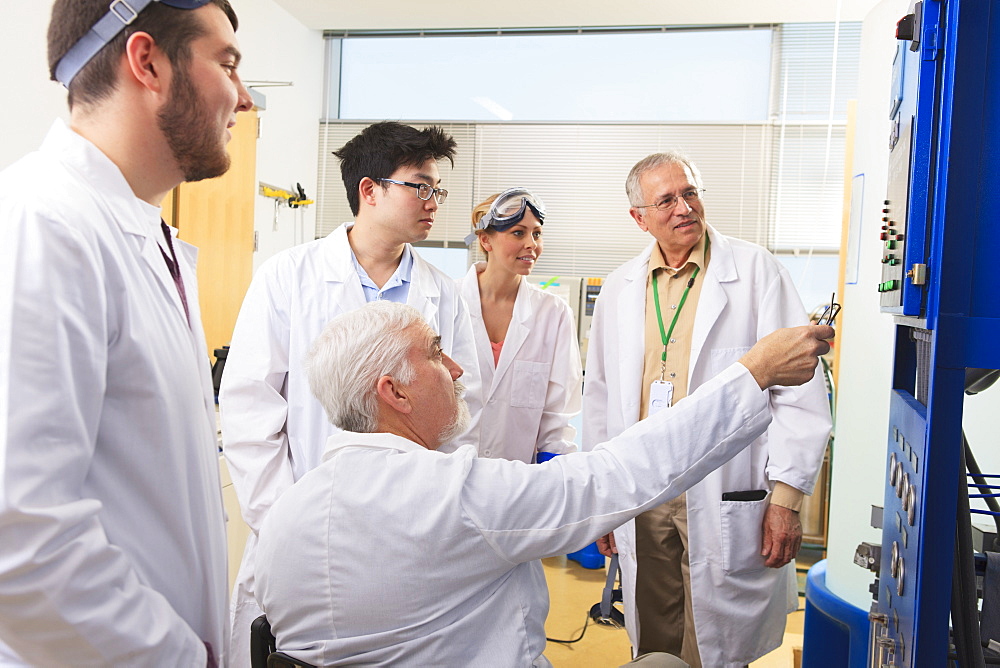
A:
{"points": [[175, 269]]}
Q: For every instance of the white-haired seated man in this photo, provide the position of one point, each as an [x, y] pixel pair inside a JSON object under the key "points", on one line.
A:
{"points": [[390, 553]]}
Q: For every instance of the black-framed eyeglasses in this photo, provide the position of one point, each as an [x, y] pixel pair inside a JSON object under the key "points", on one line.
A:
{"points": [[424, 191], [670, 201], [830, 312]]}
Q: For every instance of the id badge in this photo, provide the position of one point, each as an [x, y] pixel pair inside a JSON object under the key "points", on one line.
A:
{"points": [[661, 395]]}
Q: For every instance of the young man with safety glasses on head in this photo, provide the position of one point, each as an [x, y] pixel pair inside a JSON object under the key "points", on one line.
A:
{"points": [[111, 519]]}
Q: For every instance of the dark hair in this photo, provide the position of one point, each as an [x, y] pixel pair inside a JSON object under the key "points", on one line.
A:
{"points": [[173, 30], [384, 147]]}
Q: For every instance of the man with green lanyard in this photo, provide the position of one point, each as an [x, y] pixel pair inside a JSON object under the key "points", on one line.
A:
{"points": [[709, 576]]}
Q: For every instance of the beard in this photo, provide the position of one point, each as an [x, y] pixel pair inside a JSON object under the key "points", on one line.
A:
{"points": [[191, 135], [460, 422]]}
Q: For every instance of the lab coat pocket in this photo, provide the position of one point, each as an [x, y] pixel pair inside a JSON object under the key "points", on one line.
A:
{"points": [[529, 381], [742, 533]]}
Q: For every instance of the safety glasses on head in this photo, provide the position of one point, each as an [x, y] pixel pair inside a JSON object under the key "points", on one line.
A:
{"points": [[120, 14], [509, 207], [508, 210]]}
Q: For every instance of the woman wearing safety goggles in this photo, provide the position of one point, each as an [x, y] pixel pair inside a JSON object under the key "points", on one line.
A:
{"points": [[525, 337]]}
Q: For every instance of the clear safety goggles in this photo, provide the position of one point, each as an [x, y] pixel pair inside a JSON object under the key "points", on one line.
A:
{"points": [[508, 210], [120, 14], [509, 207]]}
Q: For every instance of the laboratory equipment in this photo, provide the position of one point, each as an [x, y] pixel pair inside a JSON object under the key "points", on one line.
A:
{"points": [[939, 248]]}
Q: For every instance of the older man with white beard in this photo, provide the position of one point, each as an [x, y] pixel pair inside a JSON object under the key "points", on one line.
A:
{"points": [[392, 553]]}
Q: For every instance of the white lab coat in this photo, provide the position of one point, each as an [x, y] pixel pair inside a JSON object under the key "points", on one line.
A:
{"points": [[112, 536], [535, 389], [274, 430], [739, 604], [392, 555]]}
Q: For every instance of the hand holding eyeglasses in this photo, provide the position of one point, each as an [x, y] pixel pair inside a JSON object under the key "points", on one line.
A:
{"points": [[830, 312]]}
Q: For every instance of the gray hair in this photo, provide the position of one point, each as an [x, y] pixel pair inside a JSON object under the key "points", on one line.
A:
{"points": [[632, 187], [353, 352]]}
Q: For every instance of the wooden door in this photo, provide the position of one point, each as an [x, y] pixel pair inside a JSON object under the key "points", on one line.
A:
{"points": [[217, 216]]}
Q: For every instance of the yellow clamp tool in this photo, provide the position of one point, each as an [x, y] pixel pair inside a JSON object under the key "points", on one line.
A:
{"points": [[291, 199]]}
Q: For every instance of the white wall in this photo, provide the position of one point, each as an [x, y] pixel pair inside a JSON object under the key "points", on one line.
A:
{"points": [[30, 100], [276, 47], [866, 340]]}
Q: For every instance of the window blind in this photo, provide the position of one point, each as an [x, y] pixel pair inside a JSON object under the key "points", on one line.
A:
{"points": [[760, 180], [816, 74], [776, 182]]}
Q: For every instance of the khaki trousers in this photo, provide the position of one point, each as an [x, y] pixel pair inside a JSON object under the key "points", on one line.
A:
{"points": [[663, 582]]}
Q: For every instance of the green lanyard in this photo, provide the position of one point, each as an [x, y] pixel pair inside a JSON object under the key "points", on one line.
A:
{"points": [[659, 318]]}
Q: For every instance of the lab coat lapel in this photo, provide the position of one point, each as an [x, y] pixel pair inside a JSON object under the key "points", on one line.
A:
{"points": [[153, 256], [517, 333], [187, 256], [424, 293], [484, 352], [631, 330], [713, 299], [120, 204], [344, 291]]}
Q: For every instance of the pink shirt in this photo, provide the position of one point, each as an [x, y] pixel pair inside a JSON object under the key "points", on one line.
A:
{"points": [[497, 347]]}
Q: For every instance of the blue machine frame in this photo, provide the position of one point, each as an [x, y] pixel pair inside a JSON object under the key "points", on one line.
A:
{"points": [[942, 224]]}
